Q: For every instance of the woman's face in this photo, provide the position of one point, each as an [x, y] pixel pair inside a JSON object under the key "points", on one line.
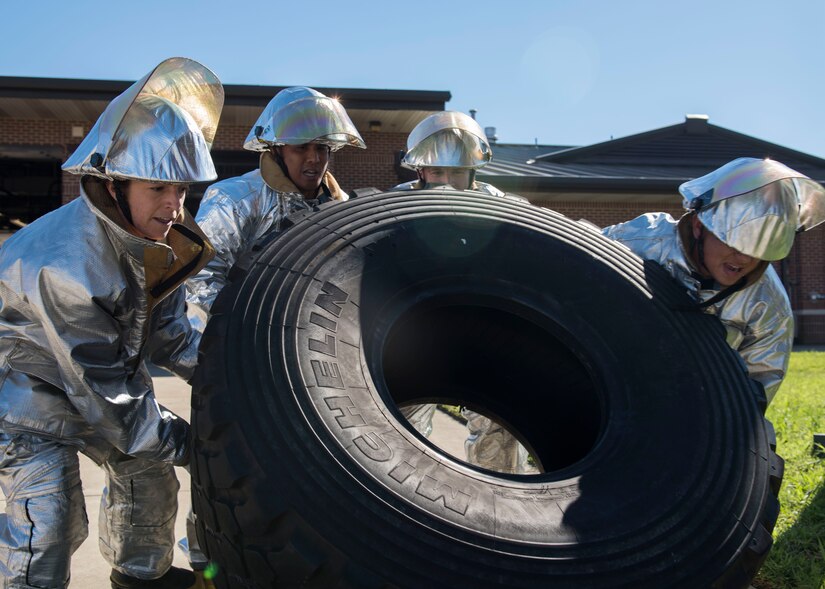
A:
{"points": [[458, 178], [721, 262], [154, 206], [306, 165]]}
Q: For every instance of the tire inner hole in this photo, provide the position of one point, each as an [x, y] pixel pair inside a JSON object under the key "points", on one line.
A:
{"points": [[519, 383]]}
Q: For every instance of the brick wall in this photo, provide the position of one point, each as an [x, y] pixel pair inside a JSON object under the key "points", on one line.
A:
{"points": [[352, 167], [804, 277], [229, 137], [39, 132], [604, 214], [71, 186], [373, 166]]}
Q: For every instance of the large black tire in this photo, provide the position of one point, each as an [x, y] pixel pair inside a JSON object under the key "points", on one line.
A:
{"points": [[659, 465]]}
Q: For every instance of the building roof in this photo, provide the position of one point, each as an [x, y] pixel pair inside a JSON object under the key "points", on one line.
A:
{"points": [[84, 100], [654, 161]]}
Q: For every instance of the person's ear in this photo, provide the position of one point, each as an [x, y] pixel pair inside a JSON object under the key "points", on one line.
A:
{"points": [[110, 186], [696, 226]]}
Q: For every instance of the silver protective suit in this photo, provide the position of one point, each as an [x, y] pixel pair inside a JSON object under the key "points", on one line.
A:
{"points": [[488, 444], [237, 212], [755, 206], [85, 305], [758, 318]]}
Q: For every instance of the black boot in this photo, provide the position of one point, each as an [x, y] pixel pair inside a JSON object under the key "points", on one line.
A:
{"points": [[174, 578]]}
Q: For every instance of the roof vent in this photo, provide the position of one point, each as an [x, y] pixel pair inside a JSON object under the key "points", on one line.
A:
{"points": [[696, 124], [490, 132]]}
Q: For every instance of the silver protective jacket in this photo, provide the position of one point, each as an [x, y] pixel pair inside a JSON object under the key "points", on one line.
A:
{"points": [[237, 212], [85, 304], [758, 319]]}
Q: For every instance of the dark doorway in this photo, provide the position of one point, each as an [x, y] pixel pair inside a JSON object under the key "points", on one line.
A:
{"points": [[29, 188], [228, 164]]}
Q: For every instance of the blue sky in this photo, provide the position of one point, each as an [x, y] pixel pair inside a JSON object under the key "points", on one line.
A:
{"points": [[564, 72]]}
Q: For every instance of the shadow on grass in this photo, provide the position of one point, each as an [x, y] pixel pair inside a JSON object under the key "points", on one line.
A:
{"points": [[796, 559]]}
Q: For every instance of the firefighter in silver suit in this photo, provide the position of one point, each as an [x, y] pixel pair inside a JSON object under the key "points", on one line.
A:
{"points": [[295, 135], [446, 149], [739, 218], [89, 294]]}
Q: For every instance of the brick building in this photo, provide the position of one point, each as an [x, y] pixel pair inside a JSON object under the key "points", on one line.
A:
{"points": [[42, 120]]}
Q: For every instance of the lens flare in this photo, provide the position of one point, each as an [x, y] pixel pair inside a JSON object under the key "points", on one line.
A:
{"points": [[211, 571]]}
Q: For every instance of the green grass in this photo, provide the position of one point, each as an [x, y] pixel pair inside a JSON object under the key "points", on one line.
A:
{"points": [[797, 559], [454, 411]]}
